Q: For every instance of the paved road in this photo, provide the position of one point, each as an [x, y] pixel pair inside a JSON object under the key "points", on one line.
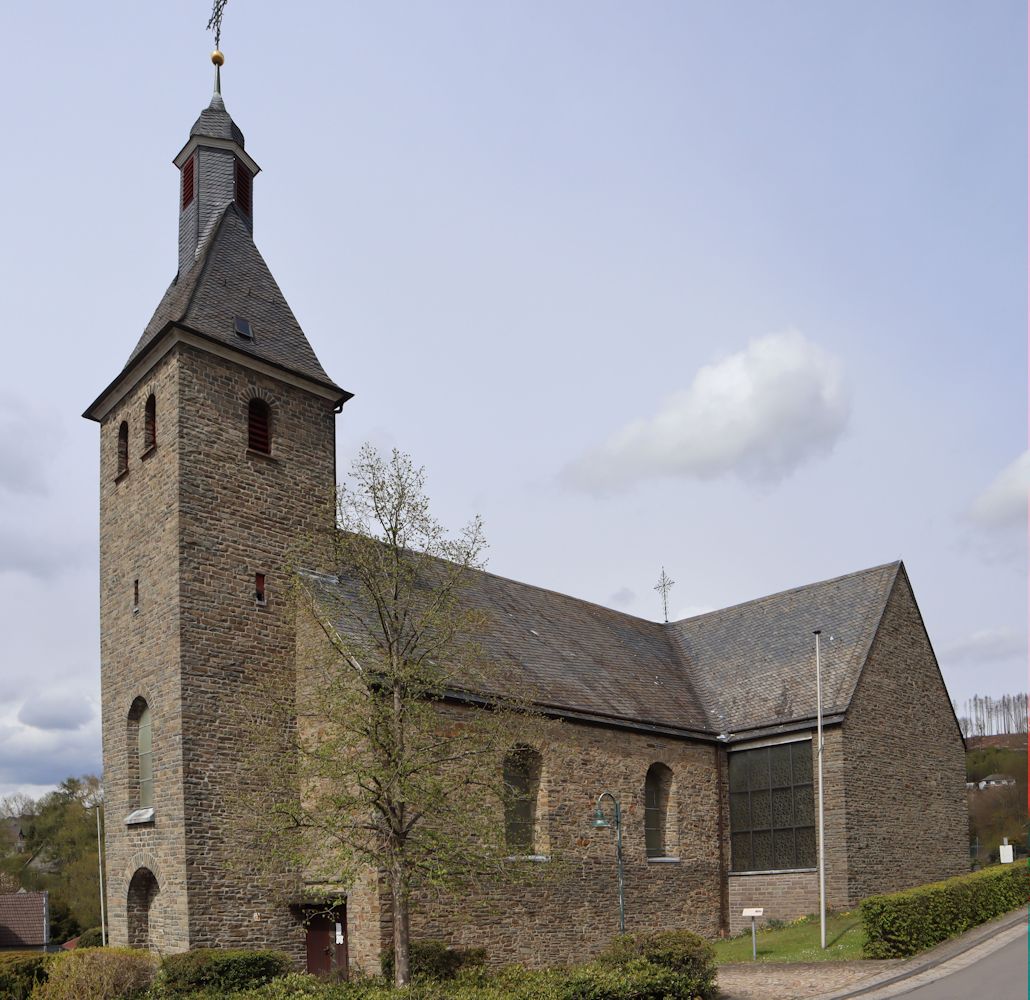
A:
{"points": [[1001, 975]]}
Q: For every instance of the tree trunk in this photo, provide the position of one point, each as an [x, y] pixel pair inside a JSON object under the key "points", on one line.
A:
{"points": [[401, 949]]}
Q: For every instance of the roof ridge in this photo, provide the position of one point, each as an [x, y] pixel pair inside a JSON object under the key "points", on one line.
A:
{"points": [[789, 590], [203, 259], [862, 659]]}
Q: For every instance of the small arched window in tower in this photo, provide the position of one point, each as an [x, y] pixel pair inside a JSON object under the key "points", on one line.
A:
{"points": [[521, 793], [657, 793], [259, 426], [243, 187], [123, 448], [150, 424], [187, 183]]}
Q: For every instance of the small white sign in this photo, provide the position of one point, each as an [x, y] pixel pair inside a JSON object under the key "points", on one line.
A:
{"points": [[1005, 854], [755, 911], [339, 933]]}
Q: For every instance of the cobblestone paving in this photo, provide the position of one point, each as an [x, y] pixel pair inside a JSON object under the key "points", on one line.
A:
{"points": [[787, 981]]}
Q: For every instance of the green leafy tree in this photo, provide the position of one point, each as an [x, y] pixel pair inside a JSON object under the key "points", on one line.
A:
{"points": [[60, 853], [377, 765]]}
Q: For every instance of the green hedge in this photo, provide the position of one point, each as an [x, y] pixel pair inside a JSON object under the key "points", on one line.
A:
{"points": [[98, 974], [20, 971], [902, 923], [93, 937], [221, 970], [435, 960]]}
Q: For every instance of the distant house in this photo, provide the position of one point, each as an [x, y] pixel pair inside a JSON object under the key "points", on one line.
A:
{"points": [[993, 781], [25, 921]]}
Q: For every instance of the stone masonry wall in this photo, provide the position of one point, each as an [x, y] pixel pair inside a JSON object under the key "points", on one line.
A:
{"points": [[784, 896], [569, 910], [241, 513], [139, 651], [904, 763]]}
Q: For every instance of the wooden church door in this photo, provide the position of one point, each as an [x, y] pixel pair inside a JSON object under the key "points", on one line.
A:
{"points": [[326, 943]]}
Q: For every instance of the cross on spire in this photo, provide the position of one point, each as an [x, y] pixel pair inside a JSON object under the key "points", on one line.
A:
{"points": [[215, 21], [665, 585]]}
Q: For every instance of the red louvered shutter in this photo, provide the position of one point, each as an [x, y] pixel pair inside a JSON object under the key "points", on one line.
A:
{"points": [[259, 433], [243, 187], [187, 182]]}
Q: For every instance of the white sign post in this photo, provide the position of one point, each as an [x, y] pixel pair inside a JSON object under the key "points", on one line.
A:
{"points": [[1005, 851], [753, 912]]}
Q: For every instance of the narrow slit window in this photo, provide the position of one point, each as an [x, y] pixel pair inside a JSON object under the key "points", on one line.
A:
{"points": [[259, 588], [123, 448], [135, 596], [259, 426], [150, 424], [187, 183]]}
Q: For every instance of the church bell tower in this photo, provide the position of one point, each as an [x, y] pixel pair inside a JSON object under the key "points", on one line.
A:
{"points": [[217, 455]]}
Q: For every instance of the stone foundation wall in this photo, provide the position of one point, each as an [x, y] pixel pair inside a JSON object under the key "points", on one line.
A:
{"points": [[785, 896]]}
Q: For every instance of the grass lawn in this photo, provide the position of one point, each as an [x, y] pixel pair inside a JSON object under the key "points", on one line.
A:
{"points": [[798, 941]]}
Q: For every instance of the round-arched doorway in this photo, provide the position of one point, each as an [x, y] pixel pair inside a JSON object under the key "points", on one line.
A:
{"points": [[143, 890]]}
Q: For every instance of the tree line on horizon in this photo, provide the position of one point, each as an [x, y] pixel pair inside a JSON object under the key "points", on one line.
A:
{"points": [[984, 715]]}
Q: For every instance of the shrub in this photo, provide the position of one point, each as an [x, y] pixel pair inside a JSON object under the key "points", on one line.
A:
{"points": [[902, 923], [99, 974], [20, 971], [222, 970], [638, 979], [91, 938], [681, 952], [435, 960]]}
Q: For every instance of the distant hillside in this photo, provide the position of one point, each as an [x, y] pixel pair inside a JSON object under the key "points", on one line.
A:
{"points": [[1000, 811], [1009, 741]]}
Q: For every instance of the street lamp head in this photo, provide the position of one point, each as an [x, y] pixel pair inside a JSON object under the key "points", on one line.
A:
{"points": [[600, 823]]}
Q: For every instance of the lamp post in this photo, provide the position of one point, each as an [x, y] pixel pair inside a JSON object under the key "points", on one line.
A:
{"points": [[601, 823]]}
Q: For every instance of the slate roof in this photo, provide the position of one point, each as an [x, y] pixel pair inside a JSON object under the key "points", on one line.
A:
{"points": [[230, 278], [741, 668], [23, 920], [754, 663], [215, 122]]}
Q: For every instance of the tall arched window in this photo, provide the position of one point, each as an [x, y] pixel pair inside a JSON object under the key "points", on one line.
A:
{"points": [[123, 448], [150, 424], [259, 426], [657, 792], [522, 790], [141, 755]]}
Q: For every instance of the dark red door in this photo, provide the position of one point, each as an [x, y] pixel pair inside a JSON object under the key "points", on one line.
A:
{"points": [[327, 944]]}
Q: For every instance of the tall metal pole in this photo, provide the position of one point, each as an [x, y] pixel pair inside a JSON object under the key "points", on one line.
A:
{"points": [[819, 759], [100, 866], [618, 862]]}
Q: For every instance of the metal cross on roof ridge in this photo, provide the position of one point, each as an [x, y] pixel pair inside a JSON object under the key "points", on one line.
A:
{"points": [[664, 584]]}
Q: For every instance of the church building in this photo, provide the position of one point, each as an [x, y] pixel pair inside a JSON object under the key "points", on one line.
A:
{"points": [[217, 452]]}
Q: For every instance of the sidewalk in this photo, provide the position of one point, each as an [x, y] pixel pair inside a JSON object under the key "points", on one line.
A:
{"points": [[871, 980]]}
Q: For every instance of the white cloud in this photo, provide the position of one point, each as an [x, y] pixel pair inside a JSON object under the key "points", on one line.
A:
{"points": [[758, 414], [56, 711], [1003, 503], [987, 645]]}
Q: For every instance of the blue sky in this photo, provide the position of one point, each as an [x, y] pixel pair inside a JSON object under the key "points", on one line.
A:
{"points": [[738, 289]]}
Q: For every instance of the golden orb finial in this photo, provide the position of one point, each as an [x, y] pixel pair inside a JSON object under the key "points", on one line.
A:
{"points": [[217, 58]]}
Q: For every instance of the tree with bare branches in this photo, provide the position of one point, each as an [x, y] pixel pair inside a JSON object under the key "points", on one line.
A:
{"points": [[388, 758]]}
